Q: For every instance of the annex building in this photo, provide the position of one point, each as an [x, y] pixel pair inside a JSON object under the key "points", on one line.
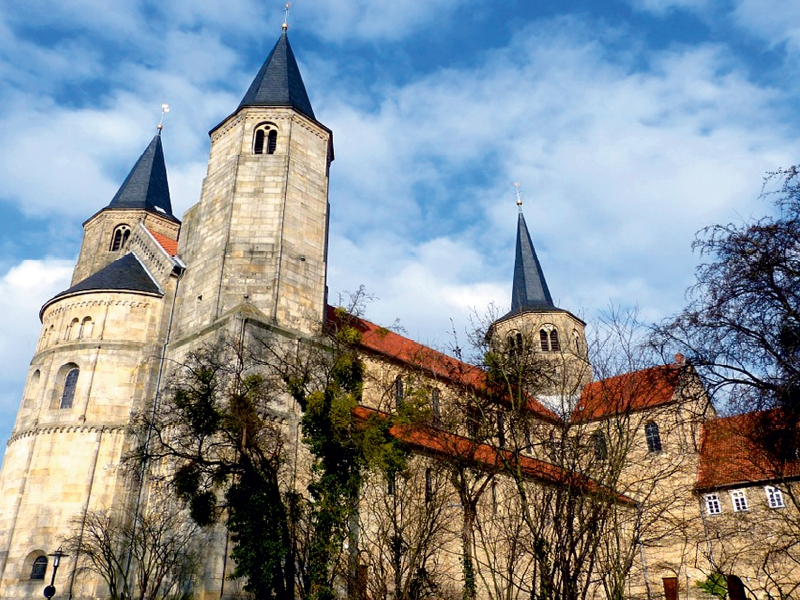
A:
{"points": [[688, 499]]}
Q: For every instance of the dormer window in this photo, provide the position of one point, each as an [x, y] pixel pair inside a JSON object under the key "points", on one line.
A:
{"points": [[120, 237], [265, 139]]}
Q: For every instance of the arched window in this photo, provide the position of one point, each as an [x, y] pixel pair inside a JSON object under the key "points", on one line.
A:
{"points": [[653, 437], [70, 382], [119, 237], [86, 328], [576, 340], [33, 385], [398, 391], [548, 339], [39, 568], [555, 345], [73, 330], [600, 445], [265, 139]]}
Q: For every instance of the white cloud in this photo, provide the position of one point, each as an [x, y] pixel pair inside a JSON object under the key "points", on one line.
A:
{"points": [[23, 290], [774, 21], [619, 168]]}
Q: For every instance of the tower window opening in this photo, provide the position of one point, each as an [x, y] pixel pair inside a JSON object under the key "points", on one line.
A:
{"points": [[120, 237], [653, 437], [555, 345], [265, 139], [70, 383], [39, 567], [544, 340]]}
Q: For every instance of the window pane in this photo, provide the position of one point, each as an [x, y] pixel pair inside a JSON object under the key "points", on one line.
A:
{"points": [[653, 437], [39, 568], [70, 381]]}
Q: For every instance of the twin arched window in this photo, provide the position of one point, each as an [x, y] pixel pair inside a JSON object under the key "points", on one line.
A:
{"points": [[265, 139], [119, 237], [549, 340]]}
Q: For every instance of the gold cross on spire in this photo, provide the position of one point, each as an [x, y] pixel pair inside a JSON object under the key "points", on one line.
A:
{"points": [[519, 195], [286, 8], [164, 111]]}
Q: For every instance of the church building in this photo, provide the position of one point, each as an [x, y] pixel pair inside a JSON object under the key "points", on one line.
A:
{"points": [[149, 288]]}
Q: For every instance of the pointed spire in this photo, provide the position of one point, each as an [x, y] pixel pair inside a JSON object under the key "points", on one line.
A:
{"points": [[530, 288], [279, 83], [146, 185]]}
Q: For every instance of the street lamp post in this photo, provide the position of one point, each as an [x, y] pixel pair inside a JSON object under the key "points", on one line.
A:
{"points": [[50, 590]]}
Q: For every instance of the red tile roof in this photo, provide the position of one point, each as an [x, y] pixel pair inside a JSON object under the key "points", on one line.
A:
{"points": [[387, 343], [170, 245], [433, 441], [632, 391], [733, 451]]}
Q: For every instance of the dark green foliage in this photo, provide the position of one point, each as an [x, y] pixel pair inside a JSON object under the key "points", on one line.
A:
{"points": [[217, 428], [260, 536], [715, 584]]}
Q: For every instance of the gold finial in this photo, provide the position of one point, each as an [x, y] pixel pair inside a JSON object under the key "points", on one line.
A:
{"points": [[164, 110], [519, 196], [286, 8]]}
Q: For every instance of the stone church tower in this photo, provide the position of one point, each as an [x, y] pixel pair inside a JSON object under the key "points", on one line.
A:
{"points": [[548, 335], [252, 254]]}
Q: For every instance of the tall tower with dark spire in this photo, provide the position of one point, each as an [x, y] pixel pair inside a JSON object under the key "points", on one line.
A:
{"points": [[96, 362], [552, 337], [257, 240]]}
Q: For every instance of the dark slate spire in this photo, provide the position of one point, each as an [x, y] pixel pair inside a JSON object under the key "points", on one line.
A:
{"points": [[279, 83], [146, 185], [530, 289]]}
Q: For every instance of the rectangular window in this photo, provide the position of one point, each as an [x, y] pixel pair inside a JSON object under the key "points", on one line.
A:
{"points": [[739, 500], [774, 497], [713, 506]]}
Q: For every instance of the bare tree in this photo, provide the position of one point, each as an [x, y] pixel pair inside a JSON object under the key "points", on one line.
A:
{"points": [[161, 543]]}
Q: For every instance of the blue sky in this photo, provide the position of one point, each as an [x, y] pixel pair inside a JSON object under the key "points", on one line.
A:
{"points": [[630, 124]]}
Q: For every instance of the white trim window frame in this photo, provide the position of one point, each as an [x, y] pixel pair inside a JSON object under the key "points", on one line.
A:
{"points": [[713, 505], [774, 497], [739, 501]]}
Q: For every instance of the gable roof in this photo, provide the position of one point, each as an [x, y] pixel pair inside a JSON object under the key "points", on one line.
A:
{"points": [[390, 345], [735, 452], [278, 82], [638, 390], [126, 274], [437, 442], [146, 186], [169, 245]]}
